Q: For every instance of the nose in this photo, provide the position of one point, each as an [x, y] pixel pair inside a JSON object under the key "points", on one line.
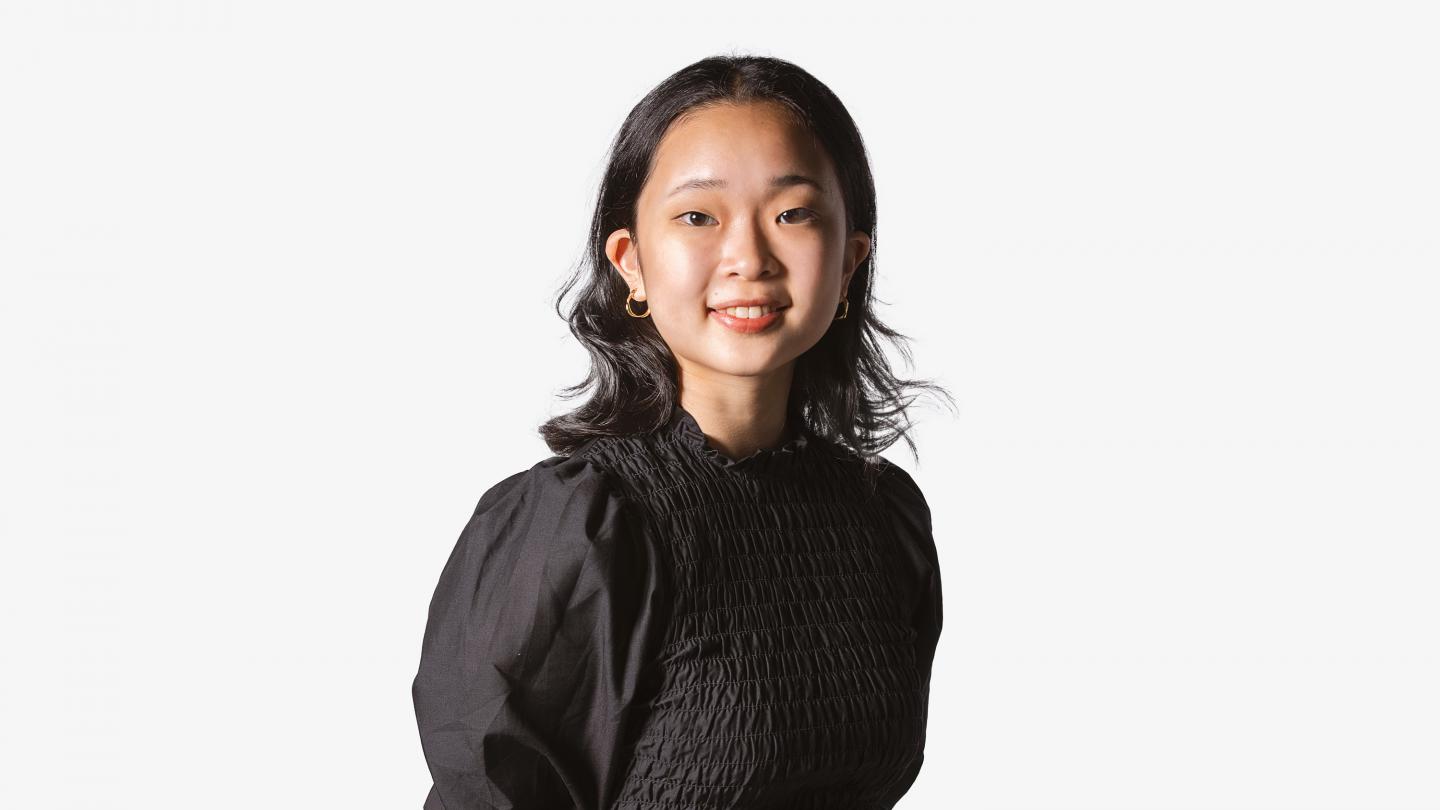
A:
{"points": [[747, 252]]}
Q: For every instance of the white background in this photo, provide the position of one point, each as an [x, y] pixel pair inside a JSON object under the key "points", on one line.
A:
{"points": [[276, 310]]}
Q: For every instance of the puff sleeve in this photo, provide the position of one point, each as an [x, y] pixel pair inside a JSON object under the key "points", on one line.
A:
{"points": [[537, 644], [910, 519]]}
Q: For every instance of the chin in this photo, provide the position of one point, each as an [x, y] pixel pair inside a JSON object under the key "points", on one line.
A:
{"points": [[748, 364]]}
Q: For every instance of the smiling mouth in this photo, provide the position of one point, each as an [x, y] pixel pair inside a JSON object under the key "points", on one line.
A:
{"points": [[747, 325], [741, 312]]}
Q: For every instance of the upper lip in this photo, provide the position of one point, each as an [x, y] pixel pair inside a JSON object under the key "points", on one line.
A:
{"points": [[749, 302]]}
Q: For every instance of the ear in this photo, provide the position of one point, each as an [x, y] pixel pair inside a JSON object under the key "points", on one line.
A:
{"points": [[624, 254], [856, 250]]}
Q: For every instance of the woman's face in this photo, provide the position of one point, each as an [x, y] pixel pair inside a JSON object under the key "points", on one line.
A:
{"points": [[739, 235]]}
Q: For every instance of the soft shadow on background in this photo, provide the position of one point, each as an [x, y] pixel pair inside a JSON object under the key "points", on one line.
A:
{"points": [[275, 285]]}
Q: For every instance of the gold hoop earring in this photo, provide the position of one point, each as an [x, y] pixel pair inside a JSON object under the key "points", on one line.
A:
{"points": [[845, 303], [631, 312]]}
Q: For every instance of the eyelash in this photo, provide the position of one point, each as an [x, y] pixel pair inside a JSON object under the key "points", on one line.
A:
{"points": [[813, 215]]}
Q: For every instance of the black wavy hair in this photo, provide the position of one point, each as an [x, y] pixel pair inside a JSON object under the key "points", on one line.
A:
{"points": [[843, 389]]}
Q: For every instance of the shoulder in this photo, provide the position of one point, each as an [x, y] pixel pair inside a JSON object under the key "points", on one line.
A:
{"points": [[561, 508], [898, 483], [554, 479], [903, 498]]}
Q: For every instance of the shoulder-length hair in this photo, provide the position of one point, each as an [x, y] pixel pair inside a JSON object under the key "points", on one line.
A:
{"points": [[843, 389]]}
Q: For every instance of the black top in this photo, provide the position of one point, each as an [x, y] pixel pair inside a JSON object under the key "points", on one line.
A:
{"points": [[650, 625]]}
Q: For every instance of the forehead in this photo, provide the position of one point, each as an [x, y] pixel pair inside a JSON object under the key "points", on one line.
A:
{"points": [[744, 144]]}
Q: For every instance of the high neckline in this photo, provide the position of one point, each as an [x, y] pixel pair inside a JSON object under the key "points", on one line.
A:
{"points": [[686, 430]]}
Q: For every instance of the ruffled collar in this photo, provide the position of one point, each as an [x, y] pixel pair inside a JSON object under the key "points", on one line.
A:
{"points": [[683, 428]]}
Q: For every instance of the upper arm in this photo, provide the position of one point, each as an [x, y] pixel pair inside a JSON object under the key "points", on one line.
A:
{"points": [[527, 667]]}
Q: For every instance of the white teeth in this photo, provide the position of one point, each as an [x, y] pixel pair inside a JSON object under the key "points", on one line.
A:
{"points": [[748, 312]]}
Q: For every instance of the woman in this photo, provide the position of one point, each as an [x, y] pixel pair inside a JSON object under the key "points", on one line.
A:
{"points": [[717, 593]]}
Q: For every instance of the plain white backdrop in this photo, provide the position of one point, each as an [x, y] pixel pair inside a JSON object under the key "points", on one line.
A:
{"points": [[275, 308]]}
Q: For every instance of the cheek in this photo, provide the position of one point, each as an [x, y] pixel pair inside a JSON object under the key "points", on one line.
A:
{"points": [[811, 323], [678, 298], [667, 248], [675, 269]]}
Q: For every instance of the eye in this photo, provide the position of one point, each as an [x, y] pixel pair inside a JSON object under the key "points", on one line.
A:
{"points": [[685, 217], [810, 214]]}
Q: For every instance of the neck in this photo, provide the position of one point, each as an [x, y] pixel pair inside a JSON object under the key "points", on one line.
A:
{"points": [[741, 415]]}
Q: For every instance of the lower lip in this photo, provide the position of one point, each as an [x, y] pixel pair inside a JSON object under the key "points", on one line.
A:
{"points": [[746, 325]]}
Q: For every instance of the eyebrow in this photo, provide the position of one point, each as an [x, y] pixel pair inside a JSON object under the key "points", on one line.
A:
{"points": [[776, 182]]}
